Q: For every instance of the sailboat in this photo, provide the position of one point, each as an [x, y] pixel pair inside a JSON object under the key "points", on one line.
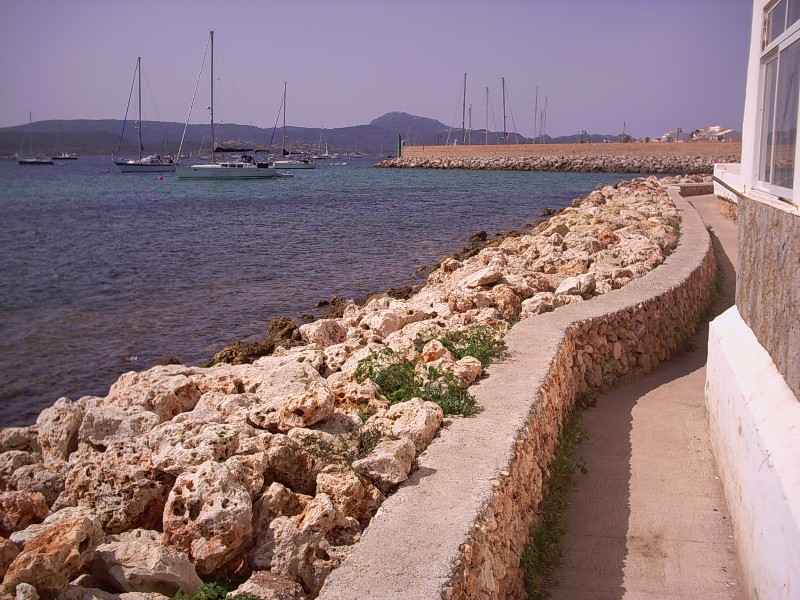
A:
{"points": [[63, 155], [287, 163], [245, 167], [145, 163], [39, 159]]}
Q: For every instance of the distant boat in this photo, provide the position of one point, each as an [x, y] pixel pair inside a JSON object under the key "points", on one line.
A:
{"points": [[38, 159], [63, 155], [290, 163], [145, 163], [243, 167]]}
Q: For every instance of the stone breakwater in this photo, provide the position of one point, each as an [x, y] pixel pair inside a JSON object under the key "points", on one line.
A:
{"points": [[269, 472], [566, 162]]}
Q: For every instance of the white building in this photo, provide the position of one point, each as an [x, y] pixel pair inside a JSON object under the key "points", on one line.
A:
{"points": [[753, 371]]}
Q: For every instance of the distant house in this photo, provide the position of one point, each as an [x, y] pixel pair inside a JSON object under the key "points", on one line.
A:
{"points": [[711, 133], [753, 370]]}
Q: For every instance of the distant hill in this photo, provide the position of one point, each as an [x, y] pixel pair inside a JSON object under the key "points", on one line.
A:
{"points": [[101, 137]]}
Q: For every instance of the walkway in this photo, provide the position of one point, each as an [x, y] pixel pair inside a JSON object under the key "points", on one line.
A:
{"points": [[650, 521]]}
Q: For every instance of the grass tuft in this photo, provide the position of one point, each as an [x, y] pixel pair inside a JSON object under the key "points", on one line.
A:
{"points": [[543, 551]]}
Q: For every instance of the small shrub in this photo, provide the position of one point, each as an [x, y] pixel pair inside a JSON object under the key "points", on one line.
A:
{"points": [[212, 591], [399, 381], [479, 341]]}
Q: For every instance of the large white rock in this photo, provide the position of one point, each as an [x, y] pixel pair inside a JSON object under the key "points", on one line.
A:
{"points": [[208, 515], [137, 561], [388, 464], [416, 420]]}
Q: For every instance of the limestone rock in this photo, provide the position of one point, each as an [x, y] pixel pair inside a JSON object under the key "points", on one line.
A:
{"points": [[208, 515], [579, 285], [467, 371], [295, 548], [19, 438], [120, 485], [302, 410], [180, 446], [290, 464], [388, 464], [275, 376], [162, 390], [55, 555], [277, 501], [25, 591], [20, 509], [269, 586], [12, 460], [58, 430], [416, 420], [351, 494], [483, 277], [323, 332], [8, 552], [104, 424], [137, 561]]}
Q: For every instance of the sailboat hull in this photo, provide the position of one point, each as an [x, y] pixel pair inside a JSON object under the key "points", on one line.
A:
{"points": [[137, 167], [294, 164], [35, 161], [226, 171]]}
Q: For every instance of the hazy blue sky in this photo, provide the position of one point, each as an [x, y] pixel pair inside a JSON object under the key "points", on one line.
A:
{"points": [[651, 64]]}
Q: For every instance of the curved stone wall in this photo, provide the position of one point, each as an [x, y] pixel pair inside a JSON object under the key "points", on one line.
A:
{"points": [[457, 527]]}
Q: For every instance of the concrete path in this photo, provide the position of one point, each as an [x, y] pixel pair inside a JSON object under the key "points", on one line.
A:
{"points": [[650, 520]]}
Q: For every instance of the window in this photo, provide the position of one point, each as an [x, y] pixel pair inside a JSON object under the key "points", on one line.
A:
{"points": [[779, 97]]}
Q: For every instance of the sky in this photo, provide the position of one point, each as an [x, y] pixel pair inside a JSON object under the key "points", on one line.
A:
{"points": [[645, 66]]}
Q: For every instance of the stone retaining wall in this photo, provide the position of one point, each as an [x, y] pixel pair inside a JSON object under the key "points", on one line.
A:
{"points": [[458, 526]]}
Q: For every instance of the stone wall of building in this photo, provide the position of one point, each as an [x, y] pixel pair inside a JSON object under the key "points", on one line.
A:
{"points": [[768, 283]]}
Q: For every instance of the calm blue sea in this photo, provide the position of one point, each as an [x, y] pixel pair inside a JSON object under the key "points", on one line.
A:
{"points": [[102, 272]]}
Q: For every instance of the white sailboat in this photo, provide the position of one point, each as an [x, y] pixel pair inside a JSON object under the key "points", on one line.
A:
{"points": [[290, 163], [145, 163], [244, 167], [39, 159]]}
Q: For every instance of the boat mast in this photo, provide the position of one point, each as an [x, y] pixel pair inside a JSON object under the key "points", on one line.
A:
{"points": [[30, 133], [213, 137], [139, 73], [464, 111], [535, 113], [505, 135], [487, 115], [283, 147]]}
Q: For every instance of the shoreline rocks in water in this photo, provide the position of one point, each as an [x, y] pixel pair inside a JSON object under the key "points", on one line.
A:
{"points": [[268, 472]]}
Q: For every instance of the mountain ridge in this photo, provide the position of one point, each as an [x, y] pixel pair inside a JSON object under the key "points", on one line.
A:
{"points": [[379, 137]]}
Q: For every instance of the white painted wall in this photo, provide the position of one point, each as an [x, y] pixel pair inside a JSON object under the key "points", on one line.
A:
{"points": [[754, 419], [731, 174]]}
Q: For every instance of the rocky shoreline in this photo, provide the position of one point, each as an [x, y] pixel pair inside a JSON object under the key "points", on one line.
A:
{"points": [[566, 162], [267, 472]]}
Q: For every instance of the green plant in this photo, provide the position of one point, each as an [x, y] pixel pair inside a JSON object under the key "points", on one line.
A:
{"points": [[400, 381], [479, 341], [541, 554], [212, 591]]}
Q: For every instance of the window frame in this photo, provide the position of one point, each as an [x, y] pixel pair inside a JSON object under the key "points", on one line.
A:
{"points": [[770, 51]]}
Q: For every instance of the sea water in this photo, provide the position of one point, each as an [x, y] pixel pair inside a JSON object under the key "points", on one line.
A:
{"points": [[103, 272]]}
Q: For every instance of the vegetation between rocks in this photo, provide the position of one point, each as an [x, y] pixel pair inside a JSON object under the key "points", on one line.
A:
{"points": [[543, 551], [401, 379], [212, 591]]}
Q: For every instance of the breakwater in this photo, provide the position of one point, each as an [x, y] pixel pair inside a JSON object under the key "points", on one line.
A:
{"points": [[687, 158]]}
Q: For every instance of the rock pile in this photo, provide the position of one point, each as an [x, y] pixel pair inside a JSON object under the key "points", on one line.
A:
{"points": [[579, 163], [269, 471]]}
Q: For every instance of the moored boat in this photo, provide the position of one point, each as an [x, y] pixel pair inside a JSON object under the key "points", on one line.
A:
{"points": [[243, 167], [145, 163], [31, 159]]}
